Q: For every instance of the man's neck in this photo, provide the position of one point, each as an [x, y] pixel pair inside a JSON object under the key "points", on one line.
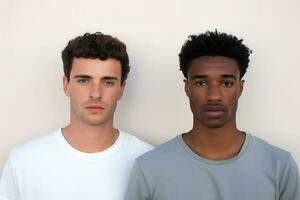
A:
{"points": [[90, 139], [215, 143]]}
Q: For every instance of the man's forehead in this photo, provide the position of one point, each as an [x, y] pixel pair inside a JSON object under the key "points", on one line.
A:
{"points": [[214, 61], [217, 65], [96, 67]]}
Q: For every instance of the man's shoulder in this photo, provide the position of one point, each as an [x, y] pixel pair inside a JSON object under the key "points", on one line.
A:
{"points": [[135, 145], [268, 147], [34, 145], [264, 149], [161, 154]]}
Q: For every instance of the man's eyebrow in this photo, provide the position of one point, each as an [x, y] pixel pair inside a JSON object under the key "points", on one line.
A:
{"points": [[202, 76], [199, 76], [229, 76], [109, 78], [82, 76], [89, 77]]}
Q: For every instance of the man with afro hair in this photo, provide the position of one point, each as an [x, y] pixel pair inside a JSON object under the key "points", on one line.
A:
{"points": [[214, 160]]}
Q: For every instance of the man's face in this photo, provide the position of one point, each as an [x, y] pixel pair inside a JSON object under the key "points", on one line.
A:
{"points": [[94, 89], [213, 87]]}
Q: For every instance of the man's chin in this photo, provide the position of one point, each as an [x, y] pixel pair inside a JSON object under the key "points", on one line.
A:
{"points": [[95, 121], [214, 124]]}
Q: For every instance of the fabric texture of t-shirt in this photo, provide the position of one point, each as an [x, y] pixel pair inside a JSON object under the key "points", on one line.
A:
{"points": [[173, 171], [49, 168]]}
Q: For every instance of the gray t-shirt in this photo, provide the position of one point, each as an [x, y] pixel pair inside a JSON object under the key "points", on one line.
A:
{"points": [[173, 171]]}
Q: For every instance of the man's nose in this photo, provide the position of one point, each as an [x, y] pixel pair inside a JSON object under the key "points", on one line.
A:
{"points": [[96, 90], [214, 93]]}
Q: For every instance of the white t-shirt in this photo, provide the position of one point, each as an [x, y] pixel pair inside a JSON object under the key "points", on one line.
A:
{"points": [[49, 168]]}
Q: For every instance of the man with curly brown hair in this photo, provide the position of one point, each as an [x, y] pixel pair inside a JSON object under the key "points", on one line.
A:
{"points": [[89, 158]]}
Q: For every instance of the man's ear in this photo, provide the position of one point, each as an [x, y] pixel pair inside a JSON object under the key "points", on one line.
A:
{"points": [[241, 87], [122, 90], [66, 86], [186, 87]]}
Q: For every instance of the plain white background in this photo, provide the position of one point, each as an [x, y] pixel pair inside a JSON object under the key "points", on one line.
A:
{"points": [[154, 106]]}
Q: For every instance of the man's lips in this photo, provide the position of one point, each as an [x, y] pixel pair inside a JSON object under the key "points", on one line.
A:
{"points": [[214, 111], [94, 108]]}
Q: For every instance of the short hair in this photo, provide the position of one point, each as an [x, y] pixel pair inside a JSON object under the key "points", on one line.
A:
{"points": [[96, 45], [214, 43]]}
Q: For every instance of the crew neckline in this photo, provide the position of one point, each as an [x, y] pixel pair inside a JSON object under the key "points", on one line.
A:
{"points": [[110, 150], [245, 146]]}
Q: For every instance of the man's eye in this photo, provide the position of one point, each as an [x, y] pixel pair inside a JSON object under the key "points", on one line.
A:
{"points": [[109, 83], [200, 83], [83, 81], [227, 83]]}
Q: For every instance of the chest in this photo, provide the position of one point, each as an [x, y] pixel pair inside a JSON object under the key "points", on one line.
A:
{"points": [[215, 183]]}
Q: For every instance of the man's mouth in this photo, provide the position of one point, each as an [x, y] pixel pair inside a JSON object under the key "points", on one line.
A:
{"points": [[214, 111], [94, 108]]}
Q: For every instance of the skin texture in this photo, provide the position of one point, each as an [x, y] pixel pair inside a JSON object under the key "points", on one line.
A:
{"points": [[213, 87], [94, 89]]}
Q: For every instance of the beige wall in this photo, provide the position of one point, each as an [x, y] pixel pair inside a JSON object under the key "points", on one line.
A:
{"points": [[33, 33]]}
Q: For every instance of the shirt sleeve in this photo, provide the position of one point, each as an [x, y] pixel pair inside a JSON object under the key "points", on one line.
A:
{"points": [[290, 184], [137, 187], [8, 183]]}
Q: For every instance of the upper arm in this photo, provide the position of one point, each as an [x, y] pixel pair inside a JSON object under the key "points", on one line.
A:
{"points": [[8, 183], [290, 182], [137, 188]]}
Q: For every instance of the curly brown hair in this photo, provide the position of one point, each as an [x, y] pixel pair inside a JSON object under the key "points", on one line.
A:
{"points": [[96, 45]]}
